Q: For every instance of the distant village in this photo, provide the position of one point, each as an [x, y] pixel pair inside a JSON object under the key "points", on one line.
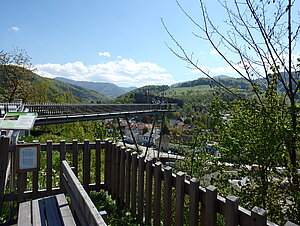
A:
{"points": [[141, 129]]}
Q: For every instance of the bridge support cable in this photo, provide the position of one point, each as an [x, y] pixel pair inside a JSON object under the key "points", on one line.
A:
{"points": [[161, 133], [134, 140], [120, 129], [153, 125]]}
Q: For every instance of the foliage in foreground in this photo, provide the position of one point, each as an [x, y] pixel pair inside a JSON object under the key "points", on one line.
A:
{"points": [[115, 216]]}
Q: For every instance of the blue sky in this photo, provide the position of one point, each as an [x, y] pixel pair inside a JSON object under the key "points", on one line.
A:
{"points": [[116, 41]]}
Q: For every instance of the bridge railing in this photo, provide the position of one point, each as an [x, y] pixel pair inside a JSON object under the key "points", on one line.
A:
{"points": [[50, 109]]}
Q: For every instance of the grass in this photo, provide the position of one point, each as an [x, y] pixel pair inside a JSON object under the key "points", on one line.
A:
{"points": [[182, 91]]}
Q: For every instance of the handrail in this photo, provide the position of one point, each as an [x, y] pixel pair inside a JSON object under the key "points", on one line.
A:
{"points": [[85, 209], [51, 109]]}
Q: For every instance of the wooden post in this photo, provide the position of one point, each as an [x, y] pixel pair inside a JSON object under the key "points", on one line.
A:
{"points": [[22, 184], [86, 165], [4, 149], [194, 202], [117, 173], [127, 178], [35, 180], [231, 211], [180, 177], [107, 171], [157, 193], [62, 151], [211, 206], [134, 183], [141, 162], [168, 196], [258, 216], [122, 177], [149, 172], [113, 178], [75, 156], [98, 164], [49, 149]]}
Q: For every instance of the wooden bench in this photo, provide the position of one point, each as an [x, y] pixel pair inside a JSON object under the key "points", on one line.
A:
{"points": [[55, 210], [51, 211]]}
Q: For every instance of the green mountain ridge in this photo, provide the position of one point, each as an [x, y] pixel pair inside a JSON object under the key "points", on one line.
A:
{"points": [[41, 89], [105, 88]]}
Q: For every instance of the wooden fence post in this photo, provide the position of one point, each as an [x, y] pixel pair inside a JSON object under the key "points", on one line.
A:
{"points": [[62, 153], [107, 173], [35, 180], [127, 178], [194, 202], [49, 149], [141, 188], [258, 216], [231, 211], [75, 156], [86, 165], [149, 172], [168, 196], [211, 206], [4, 150], [134, 183], [117, 173], [113, 178], [98, 164], [122, 177], [180, 177], [157, 193]]}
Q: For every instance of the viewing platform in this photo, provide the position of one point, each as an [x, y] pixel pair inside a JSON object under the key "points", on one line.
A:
{"points": [[53, 113]]}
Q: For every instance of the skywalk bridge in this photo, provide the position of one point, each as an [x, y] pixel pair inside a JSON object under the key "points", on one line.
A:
{"points": [[54, 113]]}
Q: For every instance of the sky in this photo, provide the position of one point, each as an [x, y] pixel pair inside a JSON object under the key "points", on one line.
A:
{"points": [[117, 41]]}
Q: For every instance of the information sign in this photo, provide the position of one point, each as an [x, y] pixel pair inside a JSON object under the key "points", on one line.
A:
{"points": [[18, 121], [28, 157]]}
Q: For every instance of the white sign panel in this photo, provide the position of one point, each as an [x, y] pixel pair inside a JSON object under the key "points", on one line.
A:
{"points": [[28, 157], [18, 120]]}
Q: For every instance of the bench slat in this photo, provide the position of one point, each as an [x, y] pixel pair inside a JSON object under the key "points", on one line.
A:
{"points": [[24, 217], [53, 216], [38, 214], [65, 210]]}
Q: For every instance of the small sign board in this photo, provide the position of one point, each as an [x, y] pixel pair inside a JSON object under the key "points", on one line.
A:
{"points": [[28, 157], [18, 120]]}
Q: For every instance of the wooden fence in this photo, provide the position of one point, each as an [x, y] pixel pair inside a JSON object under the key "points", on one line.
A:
{"points": [[150, 191]]}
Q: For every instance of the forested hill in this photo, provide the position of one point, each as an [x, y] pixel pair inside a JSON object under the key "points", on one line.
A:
{"points": [[33, 88], [139, 95], [106, 88], [230, 82]]}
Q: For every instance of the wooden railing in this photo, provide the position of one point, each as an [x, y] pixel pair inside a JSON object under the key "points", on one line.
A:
{"points": [[152, 193], [32, 185], [155, 194], [85, 209]]}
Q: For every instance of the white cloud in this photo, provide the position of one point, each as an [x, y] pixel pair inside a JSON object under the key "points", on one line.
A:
{"points": [[123, 72], [213, 52], [104, 54], [14, 28]]}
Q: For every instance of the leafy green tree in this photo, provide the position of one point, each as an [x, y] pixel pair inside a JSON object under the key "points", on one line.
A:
{"points": [[259, 129], [15, 68]]}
